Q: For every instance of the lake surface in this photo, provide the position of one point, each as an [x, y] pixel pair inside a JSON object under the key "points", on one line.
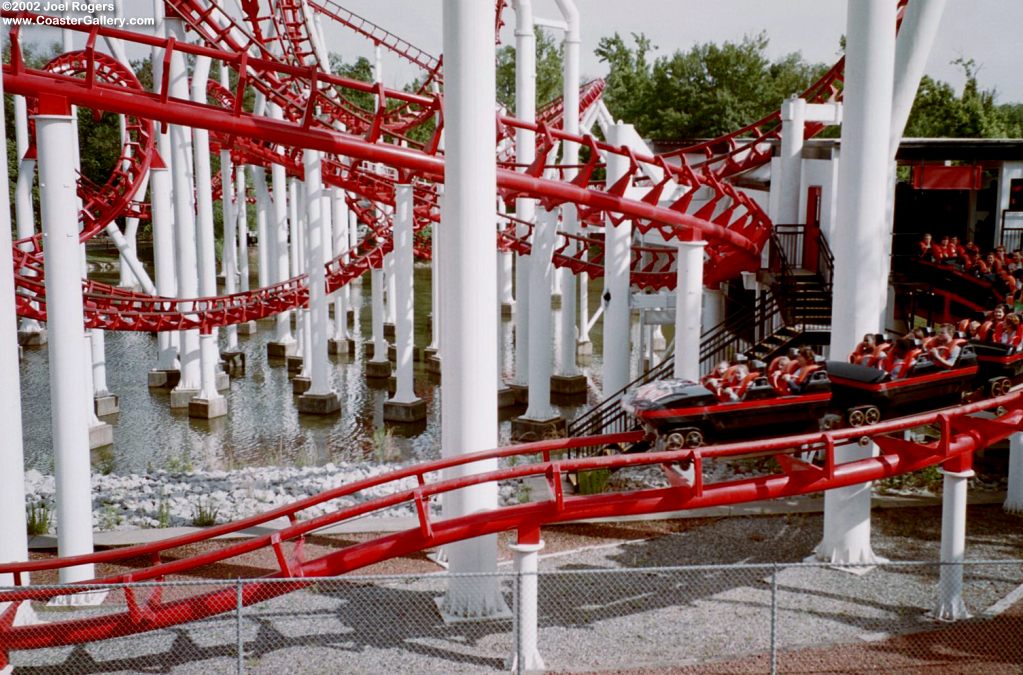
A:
{"points": [[262, 427]]}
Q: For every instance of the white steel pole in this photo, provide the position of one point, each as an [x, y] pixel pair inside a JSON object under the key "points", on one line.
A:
{"points": [[163, 252], [525, 561], [403, 300], [617, 262], [793, 124], [859, 242], [184, 224], [30, 330], [69, 401], [540, 356], [950, 606], [297, 219], [1014, 495], [207, 257], [242, 213], [525, 153], [469, 343], [279, 237], [317, 246], [227, 208], [570, 157], [688, 301], [339, 221], [13, 537], [263, 242]]}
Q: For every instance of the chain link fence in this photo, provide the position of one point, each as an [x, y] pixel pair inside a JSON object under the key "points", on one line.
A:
{"points": [[788, 618]]}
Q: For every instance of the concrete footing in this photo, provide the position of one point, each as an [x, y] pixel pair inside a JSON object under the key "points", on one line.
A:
{"points": [[106, 404], [506, 398], [100, 435], [568, 385], [378, 370], [207, 409], [433, 365], [319, 404], [222, 380], [294, 364], [507, 309], [525, 430], [180, 398], [164, 379], [247, 328], [300, 385], [280, 350], [32, 338], [389, 331], [521, 393], [233, 362], [342, 347], [405, 413], [584, 348]]}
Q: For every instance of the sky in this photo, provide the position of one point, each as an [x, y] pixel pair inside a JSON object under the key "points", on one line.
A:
{"points": [[987, 31]]}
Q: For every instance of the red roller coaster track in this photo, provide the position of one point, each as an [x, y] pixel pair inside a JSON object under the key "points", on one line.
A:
{"points": [[314, 101], [961, 433]]}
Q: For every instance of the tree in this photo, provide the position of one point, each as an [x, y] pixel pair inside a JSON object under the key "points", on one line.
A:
{"points": [[706, 91], [549, 71], [938, 112]]}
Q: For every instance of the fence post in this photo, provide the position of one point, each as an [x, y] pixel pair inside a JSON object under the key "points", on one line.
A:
{"points": [[238, 626], [774, 619], [518, 659]]}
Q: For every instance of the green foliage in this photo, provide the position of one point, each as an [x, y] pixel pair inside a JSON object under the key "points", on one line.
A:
{"points": [[939, 112], [549, 71], [204, 514], [38, 518], [706, 91], [361, 70]]}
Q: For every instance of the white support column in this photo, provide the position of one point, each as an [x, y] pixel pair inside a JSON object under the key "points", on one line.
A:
{"points": [[227, 207], [525, 655], [391, 289], [262, 226], [13, 537], [379, 366], [688, 297], [30, 332], [104, 402], [184, 225], [793, 123], [713, 308], [283, 343], [210, 404], [584, 346], [859, 243], [1014, 496], [539, 416], [242, 213], [435, 308], [525, 153], [617, 262], [321, 398], [163, 252], [69, 401], [339, 221], [469, 404], [298, 221], [950, 606], [404, 406], [569, 213]]}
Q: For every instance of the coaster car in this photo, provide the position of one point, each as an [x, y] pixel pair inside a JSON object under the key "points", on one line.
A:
{"points": [[684, 414], [865, 394]]}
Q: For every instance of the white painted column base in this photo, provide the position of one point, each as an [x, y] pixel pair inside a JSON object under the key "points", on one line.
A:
{"points": [[846, 538], [1014, 496], [950, 606], [525, 655]]}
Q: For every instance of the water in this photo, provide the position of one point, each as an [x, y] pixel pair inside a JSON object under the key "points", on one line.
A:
{"points": [[262, 427]]}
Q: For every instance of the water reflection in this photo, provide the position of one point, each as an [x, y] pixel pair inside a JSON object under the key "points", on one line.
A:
{"points": [[262, 426]]}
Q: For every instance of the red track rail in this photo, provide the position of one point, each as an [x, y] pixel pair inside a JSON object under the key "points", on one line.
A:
{"points": [[733, 224], [961, 434]]}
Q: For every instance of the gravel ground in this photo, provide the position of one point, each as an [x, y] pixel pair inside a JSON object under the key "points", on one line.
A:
{"points": [[603, 609]]}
